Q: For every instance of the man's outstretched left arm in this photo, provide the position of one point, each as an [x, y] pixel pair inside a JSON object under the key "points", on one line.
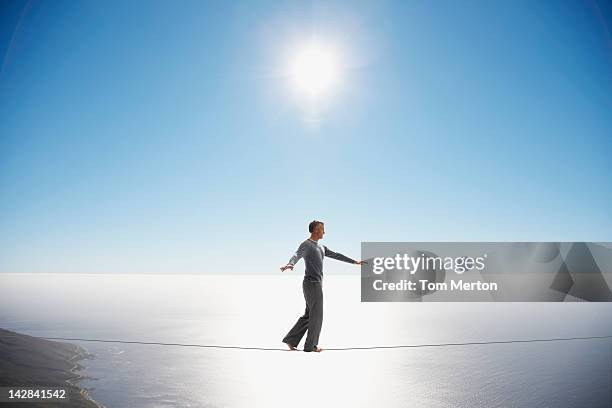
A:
{"points": [[335, 255]]}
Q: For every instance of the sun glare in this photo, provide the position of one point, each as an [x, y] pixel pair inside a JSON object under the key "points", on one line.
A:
{"points": [[314, 70]]}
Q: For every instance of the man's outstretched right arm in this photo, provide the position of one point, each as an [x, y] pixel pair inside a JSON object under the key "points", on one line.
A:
{"points": [[299, 254]]}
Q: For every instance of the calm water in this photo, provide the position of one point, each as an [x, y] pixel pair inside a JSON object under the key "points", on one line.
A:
{"points": [[259, 310]]}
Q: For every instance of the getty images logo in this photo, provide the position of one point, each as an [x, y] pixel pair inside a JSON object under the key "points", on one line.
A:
{"points": [[412, 264]]}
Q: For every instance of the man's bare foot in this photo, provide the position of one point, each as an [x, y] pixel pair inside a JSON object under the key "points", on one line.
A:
{"points": [[318, 349], [291, 348]]}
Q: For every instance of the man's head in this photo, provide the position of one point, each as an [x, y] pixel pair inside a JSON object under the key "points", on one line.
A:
{"points": [[316, 229]]}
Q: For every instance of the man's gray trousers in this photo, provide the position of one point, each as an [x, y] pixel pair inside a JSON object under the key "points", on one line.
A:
{"points": [[312, 319]]}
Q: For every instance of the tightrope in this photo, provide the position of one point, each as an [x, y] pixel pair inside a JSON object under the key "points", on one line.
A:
{"points": [[471, 343]]}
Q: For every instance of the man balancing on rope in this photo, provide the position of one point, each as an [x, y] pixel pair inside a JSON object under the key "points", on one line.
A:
{"points": [[312, 286]]}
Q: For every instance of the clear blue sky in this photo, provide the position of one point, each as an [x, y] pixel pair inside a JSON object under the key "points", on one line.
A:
{"points": [[159, 137]]}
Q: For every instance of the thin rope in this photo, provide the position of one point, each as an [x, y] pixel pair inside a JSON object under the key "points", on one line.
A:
{"points": [[472, 343]]}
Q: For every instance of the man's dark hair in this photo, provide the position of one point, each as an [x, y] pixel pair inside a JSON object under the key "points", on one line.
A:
{"points": [[313, 225]]}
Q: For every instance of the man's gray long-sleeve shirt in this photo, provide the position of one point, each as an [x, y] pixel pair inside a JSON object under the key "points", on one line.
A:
{"points": [[313, 254]]}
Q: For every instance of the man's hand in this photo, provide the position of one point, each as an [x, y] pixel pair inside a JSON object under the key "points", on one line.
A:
{"points": [[283, 268], [361, 263]]}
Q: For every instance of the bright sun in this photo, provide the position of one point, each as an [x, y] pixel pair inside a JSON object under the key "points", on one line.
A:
{"points": [[314, 70]]}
